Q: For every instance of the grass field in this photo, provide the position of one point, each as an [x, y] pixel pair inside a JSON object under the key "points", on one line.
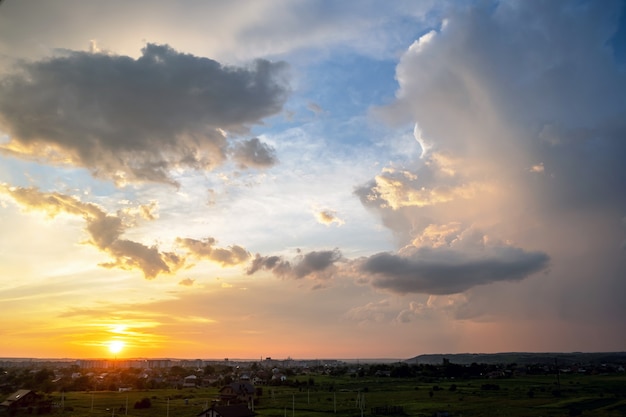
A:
{"points": [[601, 396]]}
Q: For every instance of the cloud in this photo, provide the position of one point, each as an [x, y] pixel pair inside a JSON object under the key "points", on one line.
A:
{"points": [[328, 217], [417, 134], [187, 282], [521, 107], [449, 272], [205, 249], [436, 188], [276, 264], [105, 231], [431, 179], [131, 120], [316, 261], [373, 312], [318, 265], [504, 87], [148, 211], [254, 154], [447, 259], [414, 311], [402, 189], [435, 307]]}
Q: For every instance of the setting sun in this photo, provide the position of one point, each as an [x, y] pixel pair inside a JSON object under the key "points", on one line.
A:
{"points": [[116, 346]]}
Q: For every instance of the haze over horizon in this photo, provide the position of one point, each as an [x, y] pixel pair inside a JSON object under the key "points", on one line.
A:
{"points": [[311, 179]]}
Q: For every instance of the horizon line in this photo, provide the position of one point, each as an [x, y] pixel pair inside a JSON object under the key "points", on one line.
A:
{"points": [[226, 359]]}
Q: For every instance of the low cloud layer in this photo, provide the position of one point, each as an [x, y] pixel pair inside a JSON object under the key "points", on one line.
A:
{"points": [[448, 272], [129, 120]]}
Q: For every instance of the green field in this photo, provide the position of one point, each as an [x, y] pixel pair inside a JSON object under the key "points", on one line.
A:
{"points": [[528, 396]]}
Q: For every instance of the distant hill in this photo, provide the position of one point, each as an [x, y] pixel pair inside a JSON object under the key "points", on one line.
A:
{"points": [[521, 358]]}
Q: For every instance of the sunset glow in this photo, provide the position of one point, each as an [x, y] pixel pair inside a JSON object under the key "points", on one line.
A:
{"points": [[116, 346], [311, 179]]}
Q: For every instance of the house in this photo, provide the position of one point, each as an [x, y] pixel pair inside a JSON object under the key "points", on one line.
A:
{"points": [[279, 377], [237, 392], [235, 410], [190, 381], [19, 399]]}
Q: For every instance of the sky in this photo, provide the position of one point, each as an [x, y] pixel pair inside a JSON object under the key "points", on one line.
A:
{"points": [[311, 179]]}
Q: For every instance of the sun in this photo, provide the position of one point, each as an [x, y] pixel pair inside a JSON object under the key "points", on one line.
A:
{"points": [[116, 346]]}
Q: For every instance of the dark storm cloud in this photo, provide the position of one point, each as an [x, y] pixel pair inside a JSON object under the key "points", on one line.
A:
{"points": [[135, 119], [544, 80], [254, 154], [447, 272], [526, 100], [585, 167], [315, 264]]}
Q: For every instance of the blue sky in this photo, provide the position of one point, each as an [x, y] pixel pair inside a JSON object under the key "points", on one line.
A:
{"points": [[258, 178]]}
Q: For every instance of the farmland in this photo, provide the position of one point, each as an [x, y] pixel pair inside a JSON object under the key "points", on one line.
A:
{"points": [[593, 395], [532, 386]]}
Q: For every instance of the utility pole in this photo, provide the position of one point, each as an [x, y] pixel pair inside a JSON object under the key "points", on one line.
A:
{"points": [[558, 374]]}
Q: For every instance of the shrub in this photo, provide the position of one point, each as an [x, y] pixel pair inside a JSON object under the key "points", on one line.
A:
{"points": [[144, 403]]}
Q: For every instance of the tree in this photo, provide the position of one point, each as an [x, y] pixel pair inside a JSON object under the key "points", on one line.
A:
{"points": [[401, 371], [144, 403], [178, 371]]}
